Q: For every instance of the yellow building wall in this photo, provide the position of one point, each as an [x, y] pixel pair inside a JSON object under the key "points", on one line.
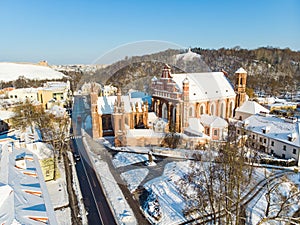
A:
{"points": [[47, 167], [44, 96]]}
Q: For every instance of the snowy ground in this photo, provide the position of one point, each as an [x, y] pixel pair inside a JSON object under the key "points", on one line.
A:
{"points": [[168, 194], [133, 178], [169, 197], [285, 187], [63, 216], [125, 159], [59, 197]]}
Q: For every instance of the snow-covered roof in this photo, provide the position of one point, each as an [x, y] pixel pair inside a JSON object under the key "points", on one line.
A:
{"points": [[12, 71], [5, 115], [106, 104], [154, 79], [5, 191], [213, 121], [241, 70], [203, 86], [24, 183], [23, 90], [6, 204], [279, 128], [195, 126], [251, 107]]}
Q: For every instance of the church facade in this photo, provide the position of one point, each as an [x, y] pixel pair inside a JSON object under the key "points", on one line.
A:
{"points": [[178, 97]]}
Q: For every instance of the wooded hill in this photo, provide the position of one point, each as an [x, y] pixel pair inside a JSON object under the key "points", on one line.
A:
{"points": [[270, 70]]}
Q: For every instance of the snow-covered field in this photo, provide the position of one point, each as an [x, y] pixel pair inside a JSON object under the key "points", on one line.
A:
{"points": [[12, 71]]}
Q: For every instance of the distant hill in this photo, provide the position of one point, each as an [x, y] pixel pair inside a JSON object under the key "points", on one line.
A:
{"points": [[270, 70], [12, 71]]}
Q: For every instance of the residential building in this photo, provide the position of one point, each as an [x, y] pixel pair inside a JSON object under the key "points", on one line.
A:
{"points": [[22, 94], [54, 93], [272, 135]]}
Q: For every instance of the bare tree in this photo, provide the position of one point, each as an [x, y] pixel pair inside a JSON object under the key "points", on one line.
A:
{"points": [[217, 187], [278, 204], [54, 130]]}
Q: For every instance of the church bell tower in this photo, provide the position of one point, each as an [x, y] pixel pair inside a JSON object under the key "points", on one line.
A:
{"points": [[240, 87]]}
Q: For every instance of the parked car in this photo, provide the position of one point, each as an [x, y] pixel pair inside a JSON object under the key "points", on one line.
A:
{"points": [[76, 157]]}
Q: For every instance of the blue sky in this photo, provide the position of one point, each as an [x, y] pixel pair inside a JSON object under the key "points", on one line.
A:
{"points": [[66, 32]]}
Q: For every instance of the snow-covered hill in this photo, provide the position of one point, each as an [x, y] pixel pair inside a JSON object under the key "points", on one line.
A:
{"points": [[188, 56], [12, 71]]}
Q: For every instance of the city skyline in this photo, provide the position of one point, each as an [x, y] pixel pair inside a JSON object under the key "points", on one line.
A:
{"points": [[75, 32]]}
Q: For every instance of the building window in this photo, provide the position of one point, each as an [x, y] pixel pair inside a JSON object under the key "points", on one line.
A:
{"points": [[215, 132], [120, 124], [272, 151], [283, 156], [253, 137], [265, 141], [272, 143], [294, 151], [260, 139], [284, 148], [201, 109], [207, 131], [212, 110], [191, 112], [238, 131]]}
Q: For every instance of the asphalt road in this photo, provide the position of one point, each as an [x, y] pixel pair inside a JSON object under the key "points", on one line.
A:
{"points": [[94, 199]]}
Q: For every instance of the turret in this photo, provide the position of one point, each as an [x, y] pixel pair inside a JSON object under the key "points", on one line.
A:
{"points": [[166, 73]]}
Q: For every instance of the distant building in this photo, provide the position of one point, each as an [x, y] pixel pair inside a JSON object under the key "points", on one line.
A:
{"points": [[86, 88], [23, 94], [108, 90], [54, 93], [272, 135]]}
